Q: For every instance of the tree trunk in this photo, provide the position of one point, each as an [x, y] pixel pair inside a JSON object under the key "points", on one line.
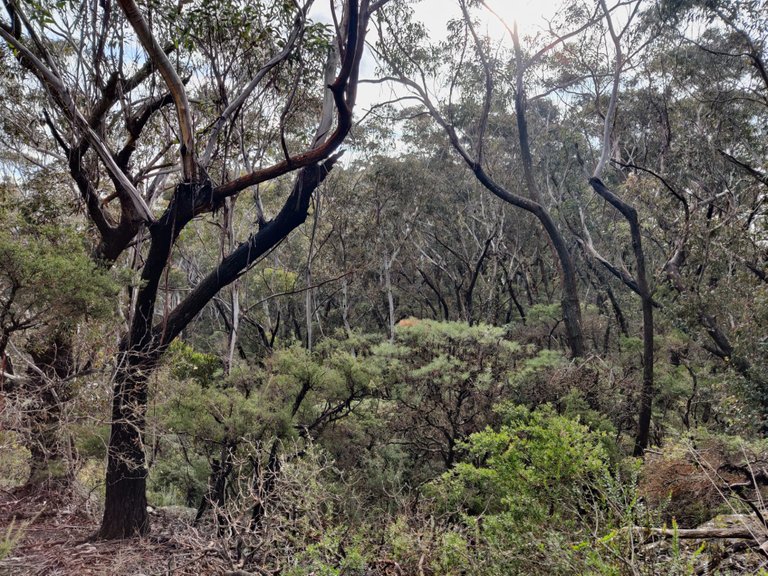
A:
{"points": [[45, 386], [647, 392], [227, 241], [570, 303], [216, 494], [125, 506], [125, 512], [387, 265], [264, 484]]}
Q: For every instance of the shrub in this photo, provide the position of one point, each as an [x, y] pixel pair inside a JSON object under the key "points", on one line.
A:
{"points": [[526, 490]]}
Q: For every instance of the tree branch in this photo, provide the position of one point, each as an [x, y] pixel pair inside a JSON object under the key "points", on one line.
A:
{"points": [[175, 86]]}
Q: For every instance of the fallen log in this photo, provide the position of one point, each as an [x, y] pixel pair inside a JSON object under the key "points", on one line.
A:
{"points": [[704, 533]]}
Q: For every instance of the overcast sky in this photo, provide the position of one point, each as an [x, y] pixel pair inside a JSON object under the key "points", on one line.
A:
{"points": [[530, 15]]}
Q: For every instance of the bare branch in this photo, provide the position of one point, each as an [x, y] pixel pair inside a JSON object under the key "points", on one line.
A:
{"points": [[613, 102], [344, 93], [236, 104], [175, 86], [60, 94]]}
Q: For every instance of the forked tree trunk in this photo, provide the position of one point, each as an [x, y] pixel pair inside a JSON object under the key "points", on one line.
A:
{"points": [[125, 506]]}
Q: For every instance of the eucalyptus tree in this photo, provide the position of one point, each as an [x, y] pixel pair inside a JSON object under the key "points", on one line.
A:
{"points": [[462, 87], [618, 34], [675, 119], [462, 243], [419, 243], [731, 102], [48, 286], [158, 111], [711, 99]]}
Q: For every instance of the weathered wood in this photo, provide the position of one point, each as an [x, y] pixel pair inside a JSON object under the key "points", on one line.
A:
{"points": [[704, 533]]}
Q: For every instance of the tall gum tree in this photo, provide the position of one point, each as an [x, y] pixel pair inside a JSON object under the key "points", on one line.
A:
{"points": [[414, 66], [629, 212], [683, 147], [108, 83], [734, 92]]}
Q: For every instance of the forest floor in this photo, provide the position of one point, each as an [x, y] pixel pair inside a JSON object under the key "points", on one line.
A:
{"points": [[53, 535]]}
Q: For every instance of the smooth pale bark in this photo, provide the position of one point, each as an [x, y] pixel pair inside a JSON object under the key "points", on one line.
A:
{"points": [[174, 83], [386, 271]]}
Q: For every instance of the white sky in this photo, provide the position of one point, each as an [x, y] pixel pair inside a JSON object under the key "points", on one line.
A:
{"points": [[530, 15]]}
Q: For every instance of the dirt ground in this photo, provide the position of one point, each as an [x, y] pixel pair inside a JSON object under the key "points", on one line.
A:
{"points": [[53, 535]]}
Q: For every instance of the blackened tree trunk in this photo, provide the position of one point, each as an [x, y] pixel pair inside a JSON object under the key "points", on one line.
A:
{"points": [[474, 158], [216, 494], [264, 485], [647, 390], [142, 347], [571, 305], [125, 511], [125, 506]]}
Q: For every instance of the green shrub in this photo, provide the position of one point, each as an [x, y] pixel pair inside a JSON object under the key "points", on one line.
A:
{"points": [[525, 490]]}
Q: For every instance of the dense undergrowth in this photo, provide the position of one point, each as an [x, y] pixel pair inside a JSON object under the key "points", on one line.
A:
{"points": [[434, 355], [444, 451]]}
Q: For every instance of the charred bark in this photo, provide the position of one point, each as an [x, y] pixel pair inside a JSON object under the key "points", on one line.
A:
{"points": [[647, 390], [125, 510]]}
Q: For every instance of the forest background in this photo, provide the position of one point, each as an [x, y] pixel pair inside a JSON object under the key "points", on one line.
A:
{"points": [[507, 317]]}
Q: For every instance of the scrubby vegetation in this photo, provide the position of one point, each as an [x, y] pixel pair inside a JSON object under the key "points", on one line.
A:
{"points": [[519, 328]]}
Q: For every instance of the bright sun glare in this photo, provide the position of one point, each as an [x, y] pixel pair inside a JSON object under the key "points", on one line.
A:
{"points": [[530, 15]]}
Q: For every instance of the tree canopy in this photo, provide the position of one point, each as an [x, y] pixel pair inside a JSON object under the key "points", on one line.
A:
{"points": [[375, 297]]}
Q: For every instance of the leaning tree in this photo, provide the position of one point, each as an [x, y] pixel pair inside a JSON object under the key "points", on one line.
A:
{"points": [[163, 113], [456, 82]]}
